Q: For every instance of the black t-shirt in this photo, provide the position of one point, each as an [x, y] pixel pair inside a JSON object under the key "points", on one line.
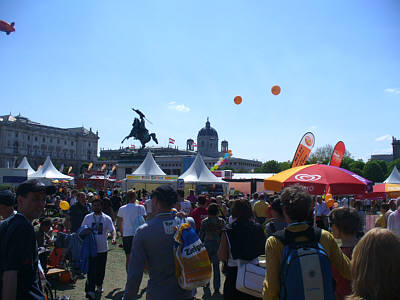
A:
{"points": [[18, 252], [77, 213], [116, 202]]}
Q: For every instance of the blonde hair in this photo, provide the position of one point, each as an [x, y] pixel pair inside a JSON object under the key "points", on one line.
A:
{"points": [[130, 195], [376, 266]]}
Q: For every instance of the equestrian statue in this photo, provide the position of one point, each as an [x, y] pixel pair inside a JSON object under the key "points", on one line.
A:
{"points": [[139, 130]]}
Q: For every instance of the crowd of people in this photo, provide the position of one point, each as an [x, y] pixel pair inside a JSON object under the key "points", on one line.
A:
{"points": [[235, 230]]}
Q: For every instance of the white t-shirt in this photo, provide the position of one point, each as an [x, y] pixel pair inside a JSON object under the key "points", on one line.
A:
{"points": [[129, 214], [148, 206], [101, 226], [73, 201], [186, 206], [393, 222]]}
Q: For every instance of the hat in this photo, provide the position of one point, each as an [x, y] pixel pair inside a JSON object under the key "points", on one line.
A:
{"points": [[34, 185], [7, 198], [90, 194]]}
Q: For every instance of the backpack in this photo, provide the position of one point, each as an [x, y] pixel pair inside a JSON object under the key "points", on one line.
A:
{"points": [[192, 264], [306, 272]]}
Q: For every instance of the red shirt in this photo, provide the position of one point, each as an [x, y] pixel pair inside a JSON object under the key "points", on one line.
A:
{"points": [[199, 214], [343, 286]]}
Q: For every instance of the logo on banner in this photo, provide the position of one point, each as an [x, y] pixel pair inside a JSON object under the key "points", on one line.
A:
{"points": [[307, 177], [309, 141]]}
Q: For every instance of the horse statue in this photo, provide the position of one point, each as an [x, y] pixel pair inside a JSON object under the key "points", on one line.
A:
{"points": [[139, 130]]}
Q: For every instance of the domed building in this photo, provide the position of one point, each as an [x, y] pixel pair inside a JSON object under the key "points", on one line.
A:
{"points": [[207, 141]]}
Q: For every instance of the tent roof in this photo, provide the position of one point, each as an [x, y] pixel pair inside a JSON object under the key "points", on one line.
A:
{"points": [[199, 173], [149, 167], [394, 177], [50, 172], [25, 165]]}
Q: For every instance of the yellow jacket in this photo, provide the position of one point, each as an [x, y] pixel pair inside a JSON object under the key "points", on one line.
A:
{"points": [[273, 255]]}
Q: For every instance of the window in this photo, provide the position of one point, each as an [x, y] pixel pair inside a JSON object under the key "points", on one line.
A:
{"points": [[16, 134], [72, 143], [65, 142], [29, 138], [51, 140], [44, 140], [35, 138], [58, 141]]}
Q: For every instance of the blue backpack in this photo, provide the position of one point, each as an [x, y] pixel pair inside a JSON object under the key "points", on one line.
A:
{"points": [[306, 272]]}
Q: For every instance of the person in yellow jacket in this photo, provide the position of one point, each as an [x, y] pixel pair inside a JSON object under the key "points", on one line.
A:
{"points": [[297, 207]]}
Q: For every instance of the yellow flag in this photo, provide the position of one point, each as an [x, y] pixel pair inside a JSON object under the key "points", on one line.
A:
{"points": [[90, 166]]}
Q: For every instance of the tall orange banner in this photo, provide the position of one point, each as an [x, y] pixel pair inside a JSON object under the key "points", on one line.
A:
{"points": [[338, 154], [303, 150], [90, 166]]}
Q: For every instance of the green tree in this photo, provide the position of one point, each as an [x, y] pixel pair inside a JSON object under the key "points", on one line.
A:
{"points": [[322, 155], [391, 167], [84, 167], [284, 165], [373, 171]]}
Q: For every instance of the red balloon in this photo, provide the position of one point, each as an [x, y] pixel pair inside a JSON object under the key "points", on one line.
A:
{"points": [[276, 90], [237, 100]]}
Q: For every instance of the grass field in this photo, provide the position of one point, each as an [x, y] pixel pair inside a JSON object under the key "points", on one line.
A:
{"points": [[114, 282]]}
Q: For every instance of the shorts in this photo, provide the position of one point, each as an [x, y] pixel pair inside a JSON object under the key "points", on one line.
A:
{"points": [[127, 244]]}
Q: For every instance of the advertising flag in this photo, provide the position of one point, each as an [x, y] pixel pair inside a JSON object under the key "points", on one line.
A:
{"points": [[90, 166], [69, 170], [61, 168], [103, 167], [113, 168], [338, 154], [303, 150], [38, 168], [171, 141], [132, 147]]}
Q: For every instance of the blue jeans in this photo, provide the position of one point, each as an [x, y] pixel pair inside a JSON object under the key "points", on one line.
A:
{"points": [[212, 250]]}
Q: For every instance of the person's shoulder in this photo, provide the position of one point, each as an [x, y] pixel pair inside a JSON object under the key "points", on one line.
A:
{"points": [[17, 224], [107, 217]]}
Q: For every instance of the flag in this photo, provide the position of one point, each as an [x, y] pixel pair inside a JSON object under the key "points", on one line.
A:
{"points": [[194, 145], [38, 168], [62, 168], [69, 170], [303, 150], [171, 141], [90, 166], [337, 155], [103, 167], [113, 168], [132, 147]]}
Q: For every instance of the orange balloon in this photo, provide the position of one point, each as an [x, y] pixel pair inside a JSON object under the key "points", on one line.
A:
{"points": [[237, 100], [276, 90], [330, 203]]}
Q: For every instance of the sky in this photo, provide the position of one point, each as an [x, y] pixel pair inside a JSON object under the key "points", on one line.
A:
{"points": [[87, 63]]}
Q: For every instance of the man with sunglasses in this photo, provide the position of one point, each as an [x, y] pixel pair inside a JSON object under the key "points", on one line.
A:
{"points": [[19, 271]]}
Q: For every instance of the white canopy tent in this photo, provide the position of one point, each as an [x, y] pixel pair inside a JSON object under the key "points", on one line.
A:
{"points": [[394, 177], [48, 171], [25, 165], [149, 167], [148, 176], [198, 173]]}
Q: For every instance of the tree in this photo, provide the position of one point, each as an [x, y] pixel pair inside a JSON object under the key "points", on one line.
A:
{"points": [[373, 171], [284, 165], [391, 167], [322, 155]]}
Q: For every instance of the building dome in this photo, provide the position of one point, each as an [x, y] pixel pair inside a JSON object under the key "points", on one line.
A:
{"points": [[208, 131]]}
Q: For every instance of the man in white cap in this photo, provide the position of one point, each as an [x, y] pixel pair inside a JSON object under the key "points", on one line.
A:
{"points": [[393, 223]]}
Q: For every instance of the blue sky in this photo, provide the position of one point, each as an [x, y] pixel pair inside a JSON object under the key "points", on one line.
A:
{"points": [[73, 63]]}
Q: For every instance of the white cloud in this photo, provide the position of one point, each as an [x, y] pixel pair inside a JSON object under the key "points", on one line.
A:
{"points": [[393, 91], [386, 137], [178, 107]]}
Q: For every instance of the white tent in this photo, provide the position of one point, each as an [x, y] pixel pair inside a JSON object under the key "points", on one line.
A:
{"points": [[48, 171], [394, 177], [200, 174], [25, 165], [149, 167]]}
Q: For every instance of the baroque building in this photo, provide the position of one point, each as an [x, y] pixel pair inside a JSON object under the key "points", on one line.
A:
{"points": [[21, 137]]}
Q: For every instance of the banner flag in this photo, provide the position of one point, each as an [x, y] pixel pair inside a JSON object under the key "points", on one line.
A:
{"points": [[61, 168], [90, 166], [132, 147], [113, 168], [69, 170], [38, 168], [303, 150], [338, 154], [171, 141], [103, 167]]}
